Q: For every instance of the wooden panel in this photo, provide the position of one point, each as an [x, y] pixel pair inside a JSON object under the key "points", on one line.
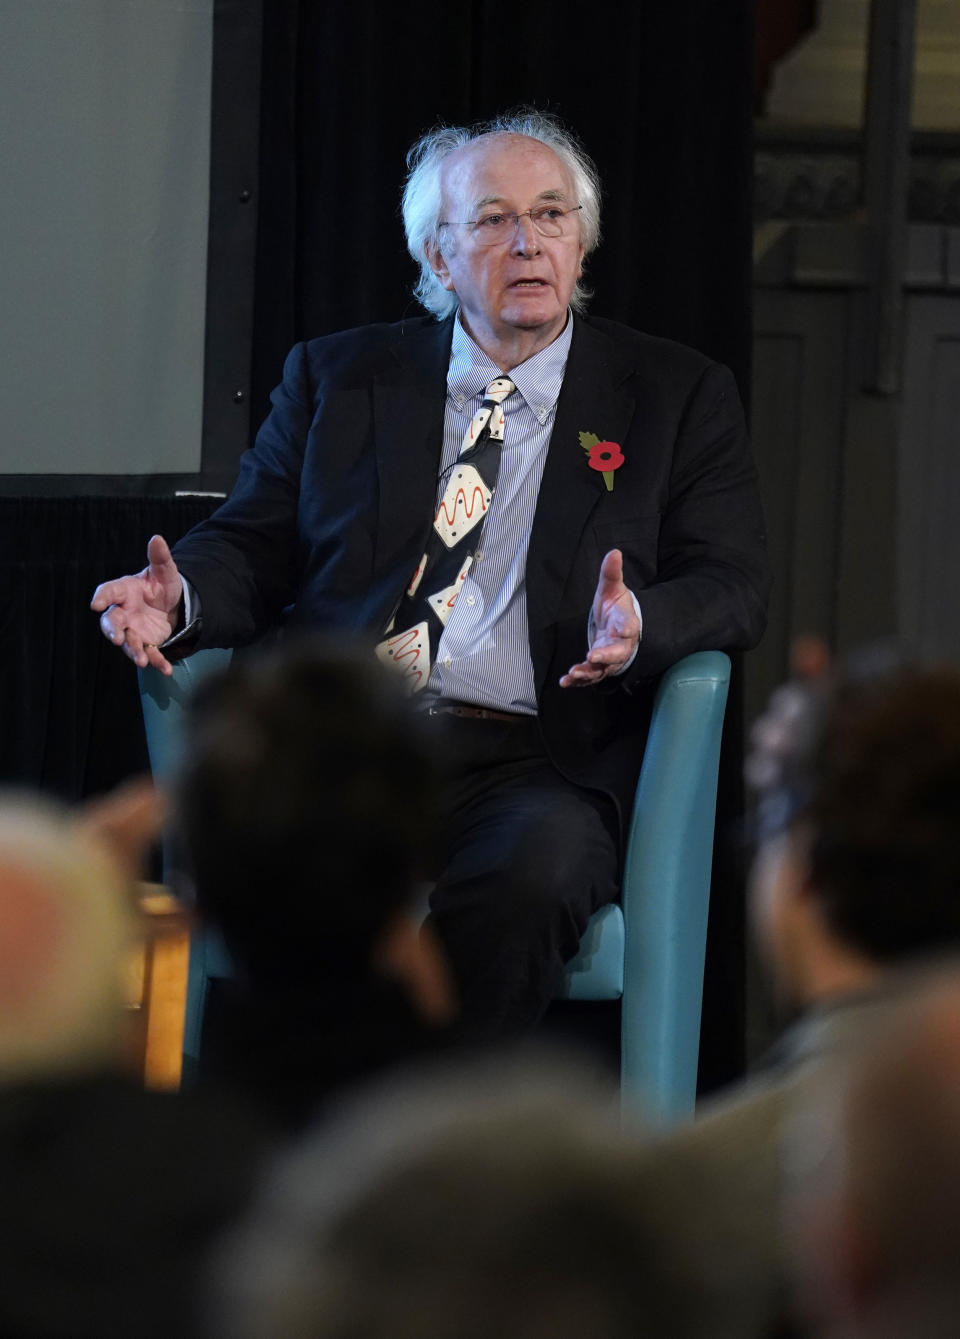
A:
{"points": [[865, 544], [928, 569], [797, 422], [862, 491], [800, 372]]}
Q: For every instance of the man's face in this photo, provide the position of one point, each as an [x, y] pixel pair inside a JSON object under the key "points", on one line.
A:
{"points": [[523, 284]]}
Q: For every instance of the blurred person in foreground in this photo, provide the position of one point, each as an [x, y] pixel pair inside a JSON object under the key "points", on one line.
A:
{"points": [[471, 1203], [109, 1195], [856, 877], [305, 807], [875, 1206]]}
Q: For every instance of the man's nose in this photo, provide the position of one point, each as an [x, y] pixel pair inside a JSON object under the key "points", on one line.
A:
{"points": [[526, 238]]}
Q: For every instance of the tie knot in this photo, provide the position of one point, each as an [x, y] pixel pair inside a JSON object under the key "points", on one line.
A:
{"points": [[499, 389]]}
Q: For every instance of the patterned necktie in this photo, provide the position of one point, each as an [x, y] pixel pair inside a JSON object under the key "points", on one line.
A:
{"points": [[426, 604]]}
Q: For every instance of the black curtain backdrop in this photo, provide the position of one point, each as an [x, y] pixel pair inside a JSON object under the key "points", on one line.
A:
{"points": [[71, 724]]}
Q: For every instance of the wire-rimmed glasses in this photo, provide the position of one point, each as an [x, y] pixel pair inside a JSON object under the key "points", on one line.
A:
{"points": [[499, 226]]}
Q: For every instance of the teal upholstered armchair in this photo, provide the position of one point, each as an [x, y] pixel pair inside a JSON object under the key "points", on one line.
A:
{"points": [[649, 952]]}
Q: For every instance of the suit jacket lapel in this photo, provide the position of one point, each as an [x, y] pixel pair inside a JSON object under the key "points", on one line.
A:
{"points": [[409, 401], [592, 399]]}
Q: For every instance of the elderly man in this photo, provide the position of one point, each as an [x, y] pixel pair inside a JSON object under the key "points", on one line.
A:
{"points": [[515, 502]]}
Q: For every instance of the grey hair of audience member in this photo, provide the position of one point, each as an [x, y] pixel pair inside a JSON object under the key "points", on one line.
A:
{"points": [[423, 198], [872, 1173], [483, 1201]]}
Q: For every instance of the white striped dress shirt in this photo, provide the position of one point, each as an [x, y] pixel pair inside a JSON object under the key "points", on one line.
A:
{"points": [[484, 653]]}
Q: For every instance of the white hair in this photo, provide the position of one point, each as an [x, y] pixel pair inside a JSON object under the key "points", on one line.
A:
{"points": [[422, 200]]}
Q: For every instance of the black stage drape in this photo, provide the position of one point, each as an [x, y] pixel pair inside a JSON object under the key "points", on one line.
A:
{"points": [[70, 723]]}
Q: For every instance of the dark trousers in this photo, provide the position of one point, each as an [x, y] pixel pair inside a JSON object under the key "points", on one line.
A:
{"points": [[525, 858]]}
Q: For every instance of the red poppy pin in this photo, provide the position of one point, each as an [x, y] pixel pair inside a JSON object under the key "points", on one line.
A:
{"points": [[603, 456]]}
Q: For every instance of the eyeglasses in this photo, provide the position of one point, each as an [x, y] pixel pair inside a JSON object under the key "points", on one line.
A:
{"points": [[548, 220]]}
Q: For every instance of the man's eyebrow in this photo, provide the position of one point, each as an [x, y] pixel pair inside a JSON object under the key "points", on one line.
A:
{"points": [[553, 194]]}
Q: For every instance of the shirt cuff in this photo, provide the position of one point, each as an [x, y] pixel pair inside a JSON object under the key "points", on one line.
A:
{"points": [[191, 618]]}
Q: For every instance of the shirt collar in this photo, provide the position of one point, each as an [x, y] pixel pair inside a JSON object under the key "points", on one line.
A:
{"points": [[538, 379]]}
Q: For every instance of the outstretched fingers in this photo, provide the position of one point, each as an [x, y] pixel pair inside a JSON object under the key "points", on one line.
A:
{"points": [[615, 628], [144, 653], [583, 675], [109, 593]]}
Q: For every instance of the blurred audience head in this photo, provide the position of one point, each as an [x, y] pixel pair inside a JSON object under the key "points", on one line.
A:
{"points": [[858, 778], [66, 921], [304, 806], [473, 1204], [877, 1179]]}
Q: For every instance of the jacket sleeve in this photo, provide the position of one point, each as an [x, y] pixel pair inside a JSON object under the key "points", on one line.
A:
{"points": [[242, 560], [713, 578]]}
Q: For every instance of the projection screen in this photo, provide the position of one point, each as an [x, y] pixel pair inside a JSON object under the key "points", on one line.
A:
{"points": [[104, 155]]}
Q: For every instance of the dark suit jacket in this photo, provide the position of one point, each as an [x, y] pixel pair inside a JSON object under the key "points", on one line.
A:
{"points": [[329, 515]]}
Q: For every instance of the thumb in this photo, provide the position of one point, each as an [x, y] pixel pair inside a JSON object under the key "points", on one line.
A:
{"points": [[158, 555], [611, 569]]}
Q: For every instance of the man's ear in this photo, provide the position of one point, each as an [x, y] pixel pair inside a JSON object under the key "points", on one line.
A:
{"points": [[411, 954], [438, 264]]}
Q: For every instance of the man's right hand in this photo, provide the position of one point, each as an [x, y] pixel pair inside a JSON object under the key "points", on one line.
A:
{"points": [[138, 613]]}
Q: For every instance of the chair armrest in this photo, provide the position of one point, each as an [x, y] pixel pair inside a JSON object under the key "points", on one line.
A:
{"points": [[666, 886], [163, 699]]}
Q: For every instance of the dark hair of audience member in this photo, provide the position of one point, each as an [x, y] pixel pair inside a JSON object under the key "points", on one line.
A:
{"points": [[305, 790], [871, 779]]}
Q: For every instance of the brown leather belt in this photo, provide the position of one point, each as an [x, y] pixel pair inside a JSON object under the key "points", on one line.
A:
{"points": [[442, 708]]}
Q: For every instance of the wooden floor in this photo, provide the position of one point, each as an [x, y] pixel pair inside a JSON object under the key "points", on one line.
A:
{"points": [[157, 987]]}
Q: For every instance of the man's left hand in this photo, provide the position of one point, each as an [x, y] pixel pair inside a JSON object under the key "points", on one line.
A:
{"points": [[616, 628]]}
